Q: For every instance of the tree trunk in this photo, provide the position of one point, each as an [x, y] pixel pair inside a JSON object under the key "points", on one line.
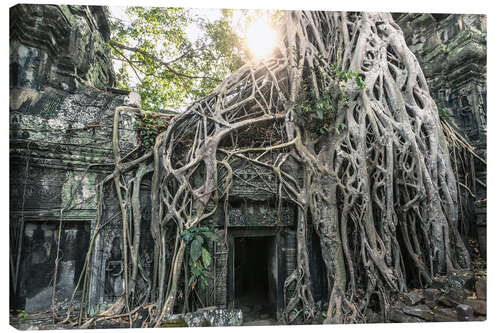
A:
{"points": [[344, 103]]}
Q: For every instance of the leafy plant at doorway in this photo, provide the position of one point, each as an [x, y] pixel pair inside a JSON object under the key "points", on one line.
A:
{"points": [[19, 313], [199, 256]]}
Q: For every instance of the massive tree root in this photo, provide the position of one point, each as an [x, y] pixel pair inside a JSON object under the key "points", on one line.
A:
{"points": [[370, 170], [382, 184]]}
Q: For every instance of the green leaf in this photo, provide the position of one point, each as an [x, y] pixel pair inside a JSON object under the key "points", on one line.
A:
{"points": [[195, 251], [206, 257], [319, 114], [191, 281], [339, 125], [360, 82], [210, 235], [187, 235], [443, 113], [161, 33], [196, 267]]}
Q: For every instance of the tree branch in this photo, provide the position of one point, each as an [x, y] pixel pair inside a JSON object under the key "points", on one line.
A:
{"points": [[167, 65]]}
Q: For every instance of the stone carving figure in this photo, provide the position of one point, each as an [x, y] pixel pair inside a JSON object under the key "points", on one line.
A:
{"points": [[114, 270]]}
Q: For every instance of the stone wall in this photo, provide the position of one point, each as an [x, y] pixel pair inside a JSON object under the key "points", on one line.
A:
{"points": [[61, 115], [62, 47], [253, 213], [451, 49]]}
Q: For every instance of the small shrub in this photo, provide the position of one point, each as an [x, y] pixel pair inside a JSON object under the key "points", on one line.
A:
{"points": [[149, 128]]}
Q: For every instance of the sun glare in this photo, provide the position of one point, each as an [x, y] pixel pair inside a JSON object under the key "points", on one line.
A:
{"points": [[261, 38]]}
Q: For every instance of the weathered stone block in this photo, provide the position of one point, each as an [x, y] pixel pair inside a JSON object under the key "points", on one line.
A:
{"points": [[478, 305], [481, 288], [444, 314], [431, 295], [464, 312], [420, 311], [413, 297], [209, 317], [59, 46]]}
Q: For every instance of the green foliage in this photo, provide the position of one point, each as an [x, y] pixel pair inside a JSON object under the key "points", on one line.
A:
{"points": [[350, 75], [443, 112], [149, 128], [20, 313], [317, 115], [199, 257], [163, 63], [337, 73]]}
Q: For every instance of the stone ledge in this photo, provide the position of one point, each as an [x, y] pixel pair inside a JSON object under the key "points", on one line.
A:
{"points": [[205, 317]]}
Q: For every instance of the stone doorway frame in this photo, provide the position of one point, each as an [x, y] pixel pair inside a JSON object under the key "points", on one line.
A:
{"points": [[278, 235], [40, 218]]}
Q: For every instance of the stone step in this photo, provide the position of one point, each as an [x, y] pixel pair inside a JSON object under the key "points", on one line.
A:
{"points": [[266, 322]]}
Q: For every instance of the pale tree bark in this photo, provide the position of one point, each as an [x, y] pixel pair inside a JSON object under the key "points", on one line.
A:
{"points": [[376, 181]]}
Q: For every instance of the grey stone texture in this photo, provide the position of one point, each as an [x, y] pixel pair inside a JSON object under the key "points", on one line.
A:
{"points": [[61, 115], [211, 317], [62, 47]]}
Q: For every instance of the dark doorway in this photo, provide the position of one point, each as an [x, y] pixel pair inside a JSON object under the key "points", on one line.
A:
{"points": [[255, 276], [38, 257]]}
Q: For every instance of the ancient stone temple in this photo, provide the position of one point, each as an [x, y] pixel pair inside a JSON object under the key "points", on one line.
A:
{"points": [[261, 247], [62, 108], [61, 113]]}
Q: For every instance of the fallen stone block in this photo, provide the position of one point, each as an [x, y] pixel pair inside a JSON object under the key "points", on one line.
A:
{"points": [[202, 318], [464, 312], [413, 297], [398, 316], [431, 295], [420, 311], [481, 288], [478, 305], [444, 315], [446, 300]]}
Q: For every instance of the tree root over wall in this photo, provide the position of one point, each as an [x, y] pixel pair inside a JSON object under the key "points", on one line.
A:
{"points": [[380, 193]]}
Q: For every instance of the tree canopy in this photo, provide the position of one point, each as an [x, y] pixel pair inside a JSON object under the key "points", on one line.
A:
{"points": [[167, 65]]}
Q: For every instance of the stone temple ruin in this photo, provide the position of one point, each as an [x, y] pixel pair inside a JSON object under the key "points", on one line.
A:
{"points": [[62, 103], [61, 112]]}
